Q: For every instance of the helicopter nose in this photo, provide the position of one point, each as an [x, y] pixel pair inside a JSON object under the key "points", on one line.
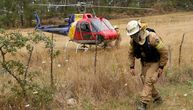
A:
{"points": [[106, 37], [111, 37]]}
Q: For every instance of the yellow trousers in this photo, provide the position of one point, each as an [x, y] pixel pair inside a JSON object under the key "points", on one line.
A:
{"points": [[149, 76], [117, 42]]}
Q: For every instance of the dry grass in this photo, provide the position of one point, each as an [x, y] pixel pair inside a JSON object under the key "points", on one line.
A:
{"points": [[112, 84]]}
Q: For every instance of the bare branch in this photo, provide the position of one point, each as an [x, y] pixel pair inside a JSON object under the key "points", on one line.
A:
{"points": [[28, 62]]}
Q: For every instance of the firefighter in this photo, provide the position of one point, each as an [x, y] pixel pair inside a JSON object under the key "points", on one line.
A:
{"points": [[118, 40], [147, 46]]}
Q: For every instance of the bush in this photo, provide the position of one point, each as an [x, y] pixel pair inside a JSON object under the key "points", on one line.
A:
{"points": [[180, 75], [22, 90]]}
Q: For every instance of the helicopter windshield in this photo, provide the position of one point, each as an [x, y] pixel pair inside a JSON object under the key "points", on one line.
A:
{"points": [[108, 24], [98, 25]]}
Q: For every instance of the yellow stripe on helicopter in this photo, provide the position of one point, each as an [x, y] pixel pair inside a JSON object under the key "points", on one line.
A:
{"points": [[72, 30], [73, 25], [78, 17]]}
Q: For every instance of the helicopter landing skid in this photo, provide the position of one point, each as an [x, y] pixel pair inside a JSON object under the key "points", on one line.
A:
{"points": [[82, 47], [66, 45]]}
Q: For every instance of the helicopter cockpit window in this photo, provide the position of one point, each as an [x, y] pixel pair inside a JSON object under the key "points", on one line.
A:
{"points": [[85, 27], [108, 24], [98, 25]]}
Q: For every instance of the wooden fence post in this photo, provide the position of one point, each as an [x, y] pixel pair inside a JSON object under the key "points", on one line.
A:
{"points": [[95, 57], [51, 65], [170, 57], [180, 50]]}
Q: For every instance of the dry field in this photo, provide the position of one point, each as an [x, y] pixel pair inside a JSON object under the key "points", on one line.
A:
{"points": [[112, 87], [170, 27]]}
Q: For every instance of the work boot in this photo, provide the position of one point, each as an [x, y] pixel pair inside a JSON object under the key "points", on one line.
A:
{"points": [[141, 106], [158, 101]]}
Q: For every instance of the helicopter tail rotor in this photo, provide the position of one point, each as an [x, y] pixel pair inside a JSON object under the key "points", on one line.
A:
{"points": [[38, 24]]}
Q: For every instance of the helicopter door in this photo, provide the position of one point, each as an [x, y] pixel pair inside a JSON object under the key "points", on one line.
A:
{"points": [[85, 31]]}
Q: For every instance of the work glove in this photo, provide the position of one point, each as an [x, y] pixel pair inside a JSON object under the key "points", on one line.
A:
{"points": [[160, 72], [132, 71]]}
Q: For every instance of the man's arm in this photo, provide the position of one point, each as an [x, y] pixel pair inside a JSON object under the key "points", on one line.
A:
{"points": [[158, 44], [131, 55]]}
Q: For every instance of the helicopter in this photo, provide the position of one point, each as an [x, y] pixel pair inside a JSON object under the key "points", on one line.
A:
{"points": [[83, 28]]}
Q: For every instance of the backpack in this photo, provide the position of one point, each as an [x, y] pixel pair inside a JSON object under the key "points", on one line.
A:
{"points": [[150, 30]]}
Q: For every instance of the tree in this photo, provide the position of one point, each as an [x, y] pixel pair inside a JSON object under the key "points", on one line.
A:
{"points": [[10, 43]]}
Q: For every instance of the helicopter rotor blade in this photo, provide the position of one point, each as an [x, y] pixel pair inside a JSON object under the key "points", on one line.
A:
{"points": [[118, 7], [54, 5], [94, 6], [67, 5]]}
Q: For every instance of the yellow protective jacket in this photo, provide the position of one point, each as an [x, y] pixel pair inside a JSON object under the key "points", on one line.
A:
{"points": [[157, 47]]}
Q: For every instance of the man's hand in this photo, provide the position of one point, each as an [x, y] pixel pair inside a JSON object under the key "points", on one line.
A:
{"points": [[160, 71], [132, 71]]}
